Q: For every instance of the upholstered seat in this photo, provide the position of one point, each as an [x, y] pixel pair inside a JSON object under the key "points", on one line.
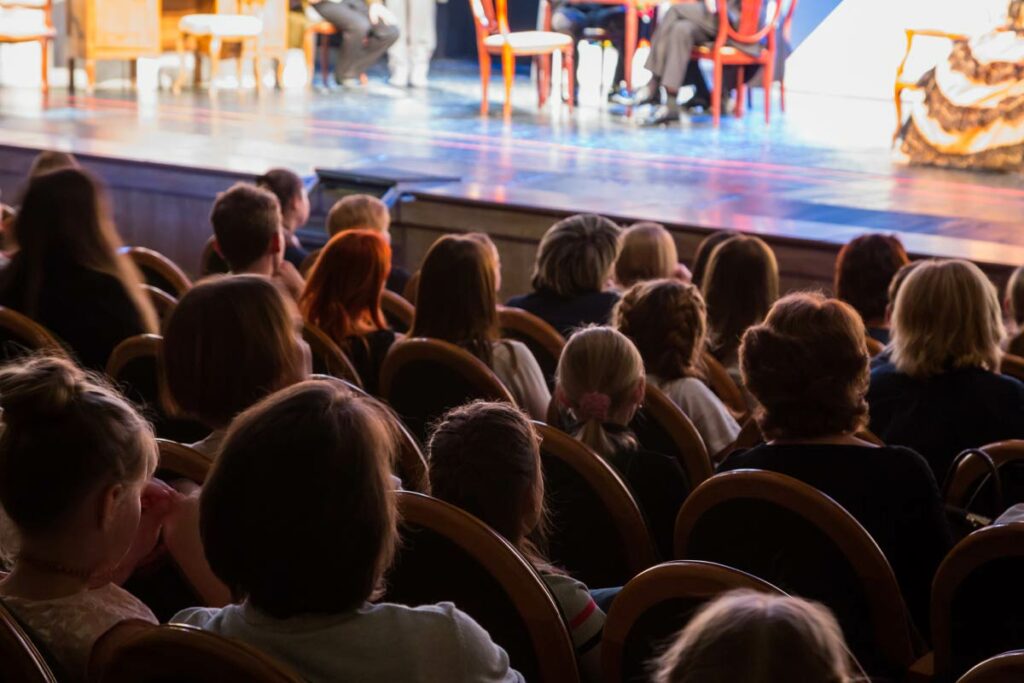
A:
{"points": [[529, 42], [221, 25], [29, 21]]}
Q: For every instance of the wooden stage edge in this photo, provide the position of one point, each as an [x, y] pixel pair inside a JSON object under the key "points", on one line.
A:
{"points": [[166, 207]]}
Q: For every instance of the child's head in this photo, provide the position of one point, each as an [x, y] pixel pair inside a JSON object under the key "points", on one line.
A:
{"points": [[740, 284], [703, 253], [74, 457], [648, 253], [51, 160], [229, 342], [247, 224], [864, 270], [358, 212], [758, 638], [485, 458], [291, 196], [298, 515], [1015, 297], [600, 379], [576, 255], [666, 319], [343, 290]]}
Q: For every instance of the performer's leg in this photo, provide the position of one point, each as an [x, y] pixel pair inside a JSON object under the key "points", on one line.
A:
{"points": [[380, 38], [422, 38], [570, 20], [398, 54], [353, 23]]}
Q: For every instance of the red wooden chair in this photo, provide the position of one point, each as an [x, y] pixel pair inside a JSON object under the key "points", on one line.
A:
{"points": [[724, 54], [493, 37], [1008, 666], [20, 658]]}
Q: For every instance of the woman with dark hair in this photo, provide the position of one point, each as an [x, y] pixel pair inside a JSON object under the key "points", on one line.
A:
{"points": [[864, 270], [807, 365], [294, 200], [68, 275], [703, 253]]}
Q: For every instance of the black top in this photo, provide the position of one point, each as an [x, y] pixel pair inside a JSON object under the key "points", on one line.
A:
{"points": [[942, 415], [566, 314], [295, 254], [889, 490], [88, 310], [367, 355], [879, 334], [397, 280]]}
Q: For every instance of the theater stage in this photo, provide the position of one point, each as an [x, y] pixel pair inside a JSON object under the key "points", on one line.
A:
{"points": [[821, 173]]}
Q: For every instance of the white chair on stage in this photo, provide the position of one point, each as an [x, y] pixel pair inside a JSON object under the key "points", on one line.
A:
{"points": [[29, 21], [213, 32]]}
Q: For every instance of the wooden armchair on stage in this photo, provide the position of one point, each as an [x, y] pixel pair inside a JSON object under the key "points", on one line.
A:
{"points": [[729, 49], [494, 38], [29, 21]]}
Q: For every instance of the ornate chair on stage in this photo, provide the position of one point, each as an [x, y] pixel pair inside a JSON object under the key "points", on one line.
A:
{"points": [[902, 84], [20, 24], [494, 38], [725, 53]]}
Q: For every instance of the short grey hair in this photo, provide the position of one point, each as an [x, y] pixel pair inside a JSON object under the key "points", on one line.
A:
{"points": [[576, 255]]}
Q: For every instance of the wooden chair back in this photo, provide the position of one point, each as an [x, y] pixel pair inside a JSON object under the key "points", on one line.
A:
{"points": [[137, 652], [20, 336], [1003, 668], [448, 555], [792, 535], [178, 461], [750, 30], [211, 262], [397, 311], [159, 271], [660, 426], [540, 337], [20, 658], [971, 486], [724, 387], [328, 358], [486, 18], [424, 378], [597, 531], [163, 303], [1013, 366], [654, 606], [976, 600]]}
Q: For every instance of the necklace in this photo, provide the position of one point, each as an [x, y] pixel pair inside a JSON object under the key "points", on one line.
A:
{"points": [[56, 567]]}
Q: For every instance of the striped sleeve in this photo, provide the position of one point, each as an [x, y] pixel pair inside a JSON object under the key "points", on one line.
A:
{"points": [[584, 618]]}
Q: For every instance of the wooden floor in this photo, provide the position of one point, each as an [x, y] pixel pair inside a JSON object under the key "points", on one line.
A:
{"points": [[822, 172]]}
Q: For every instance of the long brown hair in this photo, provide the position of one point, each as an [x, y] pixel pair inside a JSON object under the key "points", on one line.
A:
{"points": [[457, 299], [65, 221]]}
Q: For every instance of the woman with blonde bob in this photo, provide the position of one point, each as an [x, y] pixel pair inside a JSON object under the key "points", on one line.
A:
{"points": [[648, 253], [759, 638], [942, 392]]}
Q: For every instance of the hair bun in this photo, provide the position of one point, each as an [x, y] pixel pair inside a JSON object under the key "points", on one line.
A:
{"points": [[38, 387]]}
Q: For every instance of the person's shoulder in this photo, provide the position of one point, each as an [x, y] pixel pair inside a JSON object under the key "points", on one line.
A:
{"points": [[115, 599], [745, 458], [900, 459], [522, 301]]}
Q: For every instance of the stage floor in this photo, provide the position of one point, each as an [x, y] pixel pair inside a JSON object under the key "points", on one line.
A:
{"points": [[823, 171]]}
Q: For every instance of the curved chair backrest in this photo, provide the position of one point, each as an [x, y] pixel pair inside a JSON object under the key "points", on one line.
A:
{"points": [[596, 531], [448, 555], [163, 302], [786, 532], [182, 462], [720, 382], [1013, 366], [976, 600], [159, 271], [971, 485], [20, 336], [1003, 668], [660, 426], [137, 652], [212, 263], [424, 378], [543, 340], [20, 658], [328, 358], [397, 311], [657, 604]]}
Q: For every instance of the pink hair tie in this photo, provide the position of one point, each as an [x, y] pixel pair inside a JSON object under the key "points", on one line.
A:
{"points": [[594, 406]]}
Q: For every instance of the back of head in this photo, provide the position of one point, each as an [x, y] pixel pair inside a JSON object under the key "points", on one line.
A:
{"points": [[485, 459], [666, 320], [758, 638], [358, 212], [344, 287], [51, 160], [864, 270], [245, 221], [599, 374], [807, 365], [648, 253], [740, 285], [576, 255], [456, 297], [229, 342], [65, 434], [298, 514], [703, 253], [283, 184], [946, 316], [1015, 296]]}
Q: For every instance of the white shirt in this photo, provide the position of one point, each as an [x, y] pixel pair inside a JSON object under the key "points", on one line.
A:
{"points": [[515, 366], [709, 415]]}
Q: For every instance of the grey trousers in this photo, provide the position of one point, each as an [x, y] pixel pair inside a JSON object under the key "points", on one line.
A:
{"points": [[681, 28], [362, 42]]}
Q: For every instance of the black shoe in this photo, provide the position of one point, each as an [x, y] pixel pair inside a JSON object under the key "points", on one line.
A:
{"points": [[647, 94], [695, 103], [662, 116]]}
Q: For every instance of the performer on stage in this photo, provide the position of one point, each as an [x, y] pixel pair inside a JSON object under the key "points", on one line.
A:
{"points": [[367, 30], [972, 115], [409, 57], [573, 18]]}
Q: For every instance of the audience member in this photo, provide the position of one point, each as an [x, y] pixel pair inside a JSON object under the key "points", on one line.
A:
{"points": [[600, 380], [864, 270], [75, 458], [941, 391], [68, 275], [457, 303], [703, 253], [250, 238], [230, 341], [807, 365], [294, 202], [366, 212], [342, 298], [1014, 305], [51, 160], [740, 284], [307, 471], [666, 320], [648, 253], [571, 274], [759, 638]]}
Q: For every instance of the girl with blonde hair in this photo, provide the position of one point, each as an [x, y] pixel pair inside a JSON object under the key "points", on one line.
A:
{"points": [[648, 253], [600, 381]]}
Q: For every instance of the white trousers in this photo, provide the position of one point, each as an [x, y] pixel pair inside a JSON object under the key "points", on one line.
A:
{"points": [[417, 21]]}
